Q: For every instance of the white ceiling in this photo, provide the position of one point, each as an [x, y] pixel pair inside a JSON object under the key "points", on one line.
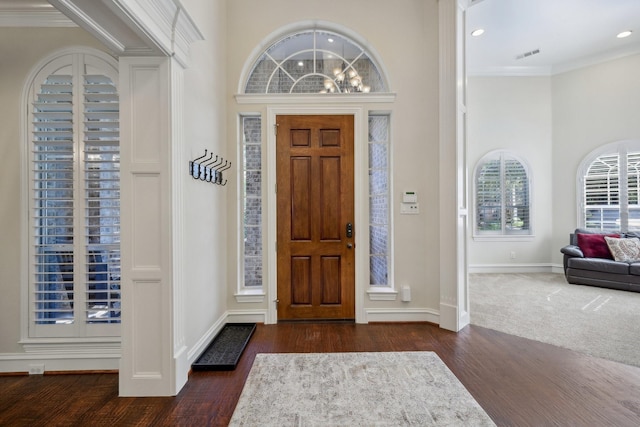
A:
{"points": [[568, 33]]}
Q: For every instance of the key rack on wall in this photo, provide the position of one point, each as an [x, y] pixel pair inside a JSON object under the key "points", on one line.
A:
{"points": [[209, 169]]}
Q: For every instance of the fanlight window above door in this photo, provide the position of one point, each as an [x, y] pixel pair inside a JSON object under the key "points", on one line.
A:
{"points": [[315, 61]]}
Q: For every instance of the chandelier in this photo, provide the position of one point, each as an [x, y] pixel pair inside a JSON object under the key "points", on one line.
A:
{"points": [[345, 80]]}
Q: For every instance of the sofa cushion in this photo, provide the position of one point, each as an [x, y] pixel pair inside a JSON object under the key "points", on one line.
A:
{"points": [[634, 269], [625, 250], [594, 245], [572, 250], [599, 264]]}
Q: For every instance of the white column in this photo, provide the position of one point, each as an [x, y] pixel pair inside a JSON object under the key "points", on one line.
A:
{"points": [[153, 356], [454, 303]]}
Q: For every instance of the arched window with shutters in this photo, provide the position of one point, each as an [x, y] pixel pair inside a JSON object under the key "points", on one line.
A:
{"points": [[502, 196], [609, 184], [74, 197]]}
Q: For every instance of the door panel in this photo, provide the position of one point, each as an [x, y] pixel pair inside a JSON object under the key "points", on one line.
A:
{"points": [[316, 271]]}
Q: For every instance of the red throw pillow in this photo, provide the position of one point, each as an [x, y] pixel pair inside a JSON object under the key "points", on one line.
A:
{"points": [[594, 245]]}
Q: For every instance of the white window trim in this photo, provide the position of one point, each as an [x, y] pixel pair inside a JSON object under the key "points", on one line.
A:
{"points": [[501, 237]]}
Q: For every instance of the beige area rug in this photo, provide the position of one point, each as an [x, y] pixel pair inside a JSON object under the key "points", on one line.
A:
{"points": [[355, 389], [544, 307]]}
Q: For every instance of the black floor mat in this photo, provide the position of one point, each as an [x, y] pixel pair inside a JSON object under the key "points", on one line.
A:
{"points": [[226, 348]]}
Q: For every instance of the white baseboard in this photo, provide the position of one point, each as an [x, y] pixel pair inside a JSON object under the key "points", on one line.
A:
{"points": [[402, 315], [246, 316], [512, 268], [56, 361]]}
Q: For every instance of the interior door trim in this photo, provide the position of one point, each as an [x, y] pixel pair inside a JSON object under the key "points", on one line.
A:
{"points": [[360, 200]]}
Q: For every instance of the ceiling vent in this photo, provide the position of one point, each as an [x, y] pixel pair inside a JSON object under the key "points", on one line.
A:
{"points": [[528, 54]]}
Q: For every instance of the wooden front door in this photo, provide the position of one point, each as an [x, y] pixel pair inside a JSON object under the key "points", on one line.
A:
{"points": [[315, 230]]}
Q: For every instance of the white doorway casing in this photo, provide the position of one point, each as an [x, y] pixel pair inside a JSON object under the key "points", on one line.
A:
{"points": [[360, 198]]}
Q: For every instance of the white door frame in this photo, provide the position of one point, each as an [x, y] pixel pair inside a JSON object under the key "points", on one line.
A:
{"points": [[360, 199]]}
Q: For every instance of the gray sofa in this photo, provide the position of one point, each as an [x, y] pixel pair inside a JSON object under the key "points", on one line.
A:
{"points": [[602, 272]]}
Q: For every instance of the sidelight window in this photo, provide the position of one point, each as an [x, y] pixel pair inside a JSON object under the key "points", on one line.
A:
{"points": [[379, 233]]}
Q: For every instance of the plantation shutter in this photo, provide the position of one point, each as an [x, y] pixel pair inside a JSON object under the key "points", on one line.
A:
{"points": [[602, 194], [53, 212], [502, 196], [516, 196], [102, 199], [633, 190], [489, 196], [76, 202]]}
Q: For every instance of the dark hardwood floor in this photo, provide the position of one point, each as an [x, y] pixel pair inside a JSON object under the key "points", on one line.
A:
{"points": [[517, 381]]}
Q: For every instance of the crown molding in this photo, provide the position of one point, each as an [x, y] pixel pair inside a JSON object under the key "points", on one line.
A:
{"points": [[29, 17], [136, 27]]}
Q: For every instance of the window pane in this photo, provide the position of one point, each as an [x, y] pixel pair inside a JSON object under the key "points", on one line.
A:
{"points": [[489, 196], [602, 193], [379, 199], [252, 200], [312, 62], [502, 196]]}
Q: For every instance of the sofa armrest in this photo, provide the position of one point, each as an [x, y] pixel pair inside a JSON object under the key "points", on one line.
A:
{"points": [[572, 250]]}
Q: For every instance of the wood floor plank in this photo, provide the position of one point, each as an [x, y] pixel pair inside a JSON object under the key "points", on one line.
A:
{"points": [[518, 382]]}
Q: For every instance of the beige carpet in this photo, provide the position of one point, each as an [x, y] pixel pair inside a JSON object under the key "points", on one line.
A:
{"points": [[544, 307], [355, 389]]}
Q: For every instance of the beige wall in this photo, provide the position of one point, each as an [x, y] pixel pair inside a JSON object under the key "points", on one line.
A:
{"points": [[20, 50], [592, 107], [405, 35]]}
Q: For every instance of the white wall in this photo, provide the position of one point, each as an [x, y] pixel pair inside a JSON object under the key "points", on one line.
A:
{"points": [[205, 254], [592, 107], [514, 114], [553, 123], [405, 35]]}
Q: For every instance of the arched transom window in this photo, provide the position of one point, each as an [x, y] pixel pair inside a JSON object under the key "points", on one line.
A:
{"points": [[315, 61]]}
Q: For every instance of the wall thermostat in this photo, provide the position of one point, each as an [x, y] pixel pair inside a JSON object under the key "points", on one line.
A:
{"points": [[409, 203], [409, 197]]}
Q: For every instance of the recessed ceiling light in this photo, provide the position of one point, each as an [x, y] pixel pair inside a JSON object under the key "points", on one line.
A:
{"points": [[624, 34], [478, 32]]}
